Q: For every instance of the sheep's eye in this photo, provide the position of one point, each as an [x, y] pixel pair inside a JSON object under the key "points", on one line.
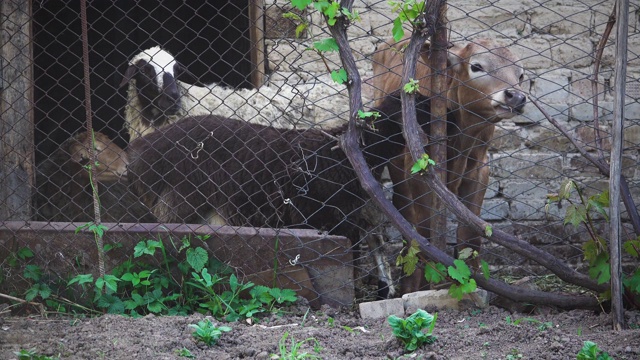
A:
{"points": [[148, 70], [521, 78], [476, 68]]}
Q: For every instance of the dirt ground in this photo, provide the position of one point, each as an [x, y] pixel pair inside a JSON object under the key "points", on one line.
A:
{"points": [[477, 334]]}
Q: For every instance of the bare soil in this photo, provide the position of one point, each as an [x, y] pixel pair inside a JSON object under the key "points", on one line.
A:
{"points": [[342, 334]]}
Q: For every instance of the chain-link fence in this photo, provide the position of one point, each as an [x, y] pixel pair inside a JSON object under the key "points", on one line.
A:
{"points": [[288, 189]]}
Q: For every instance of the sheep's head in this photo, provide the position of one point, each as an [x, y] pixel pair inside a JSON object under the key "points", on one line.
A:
{"points": [[112, 160], [154, 72]]}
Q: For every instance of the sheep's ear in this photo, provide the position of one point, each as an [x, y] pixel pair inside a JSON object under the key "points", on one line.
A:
{"points": [[184, 74], [128, 75]]}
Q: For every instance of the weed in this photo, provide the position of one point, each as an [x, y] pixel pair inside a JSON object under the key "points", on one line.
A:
{"points": [[542, 326], [591, 351], [294, 352], [514, 355], [207, 332], [331, 321], [203, 284], [184, 352], [31, 354], [410, 330]]}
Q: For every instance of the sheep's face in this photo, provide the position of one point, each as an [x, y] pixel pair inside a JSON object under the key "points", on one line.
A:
{"points": [[155, 81]]}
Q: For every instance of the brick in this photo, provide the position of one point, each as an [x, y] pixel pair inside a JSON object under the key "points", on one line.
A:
{"points": [[382, 309], [440, 299]]}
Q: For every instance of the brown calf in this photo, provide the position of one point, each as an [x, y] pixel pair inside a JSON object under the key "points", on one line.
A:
{"points": [[64, 191], [484, 88]]}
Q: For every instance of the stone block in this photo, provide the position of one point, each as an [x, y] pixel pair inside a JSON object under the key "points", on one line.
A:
{"points": [[534, 188], [551, 87], [560, 19], [584, 111], [382, 309], [475, 20], [494, 209], [431, 300], [560, 112], [548, 139], [528, 209], [534, 52], [506, 137], [573, 53], [527, 166]]}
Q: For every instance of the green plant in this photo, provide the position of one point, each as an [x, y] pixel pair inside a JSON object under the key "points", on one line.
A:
{"points": [[203, 284], [583, 211], [591, 351], [207, 332], [184, 352], [459, 272], [408, 11], [423, 163], [410, 331], [294, 353], [542, 326], [31, 354], [514, 355]]}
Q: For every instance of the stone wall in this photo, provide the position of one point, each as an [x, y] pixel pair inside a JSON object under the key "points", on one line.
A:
{"points": [[529, 157]]}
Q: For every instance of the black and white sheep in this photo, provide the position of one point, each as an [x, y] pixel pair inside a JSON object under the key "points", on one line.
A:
{"points": [[64, 190], [155, 98]]}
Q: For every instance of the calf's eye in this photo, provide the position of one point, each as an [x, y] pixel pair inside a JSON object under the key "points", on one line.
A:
{"points": [[476, 68]]}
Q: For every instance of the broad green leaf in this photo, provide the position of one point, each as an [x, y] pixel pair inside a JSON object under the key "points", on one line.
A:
{"points": [[81, 279], [197, 258], [485, 269], [397, 31], [434, 273], [465, 253], [600, 270], [32, 272], [366, 114], [460, 271], [576, 215], [339, 76], [301, 4], [631, 247], [326, 45], [24, 253]]}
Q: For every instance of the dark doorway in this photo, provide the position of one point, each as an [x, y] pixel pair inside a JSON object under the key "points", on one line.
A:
{"points": [[209, 37]]}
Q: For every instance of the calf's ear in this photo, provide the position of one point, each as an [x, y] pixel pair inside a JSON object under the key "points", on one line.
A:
{"points": [[455, 56]]}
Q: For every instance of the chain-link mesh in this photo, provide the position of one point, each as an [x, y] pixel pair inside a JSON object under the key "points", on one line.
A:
{"points": [[245, 60]]}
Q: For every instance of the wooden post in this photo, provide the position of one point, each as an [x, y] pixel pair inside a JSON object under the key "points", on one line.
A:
{"points": [[16, 111], [615, 242], [256, 25]]}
